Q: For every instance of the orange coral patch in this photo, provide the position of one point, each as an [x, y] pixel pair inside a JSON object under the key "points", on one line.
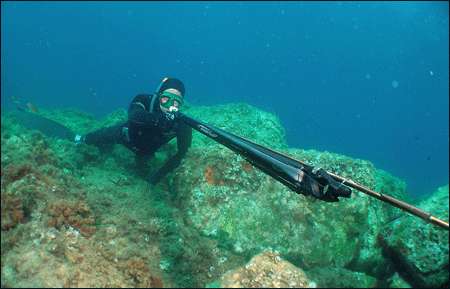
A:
{"points": [[71, 214], [247, 167], [209, 175]]}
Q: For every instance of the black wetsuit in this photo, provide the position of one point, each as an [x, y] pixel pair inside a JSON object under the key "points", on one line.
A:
{"points": [[145, 132]]}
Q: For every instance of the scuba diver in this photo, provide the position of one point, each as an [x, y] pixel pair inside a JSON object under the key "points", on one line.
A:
{"points": [[151, 124]]}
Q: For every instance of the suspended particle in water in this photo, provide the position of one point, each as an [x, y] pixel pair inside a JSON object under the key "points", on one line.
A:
{"points": [[395, 83], [368, 75]]}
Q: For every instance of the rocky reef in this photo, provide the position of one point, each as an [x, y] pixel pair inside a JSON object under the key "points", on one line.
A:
{"points": [[81, 216], [267, 269]]}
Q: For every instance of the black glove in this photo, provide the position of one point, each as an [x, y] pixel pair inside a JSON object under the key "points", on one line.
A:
{"points": [[318, 183], [144, 117]]}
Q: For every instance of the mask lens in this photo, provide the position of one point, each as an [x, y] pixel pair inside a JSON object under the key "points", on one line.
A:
{"points": [[169, 99]]}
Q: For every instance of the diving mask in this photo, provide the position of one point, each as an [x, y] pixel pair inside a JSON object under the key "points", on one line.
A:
{"points": [[170, 99]]}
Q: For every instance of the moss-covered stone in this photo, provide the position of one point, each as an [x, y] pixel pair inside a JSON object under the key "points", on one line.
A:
{"points": [[211, 215], [419, 250], [243, 120]]}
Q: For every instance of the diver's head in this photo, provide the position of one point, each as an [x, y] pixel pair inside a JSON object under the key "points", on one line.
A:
{"points": [[170, 99], [171, 93]]}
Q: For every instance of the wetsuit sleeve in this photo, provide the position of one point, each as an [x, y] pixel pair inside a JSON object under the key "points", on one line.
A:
{"points": [[138, 112], [184, 140], [141, 101], [108, 135]]}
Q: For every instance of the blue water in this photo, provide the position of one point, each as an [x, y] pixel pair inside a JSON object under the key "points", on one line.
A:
{"points": [[369, 80]]}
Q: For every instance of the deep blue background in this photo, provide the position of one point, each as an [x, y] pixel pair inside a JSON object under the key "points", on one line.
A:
{"points": [[325, 68]]}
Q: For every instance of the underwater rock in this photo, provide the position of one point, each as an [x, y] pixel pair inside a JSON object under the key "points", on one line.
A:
{"points": [[83, 122], [52, 194], [208, 216], [267, 269], [243, 120], [71, 213], [221, 194], [141, 275], [419, 251], [335, 277]]}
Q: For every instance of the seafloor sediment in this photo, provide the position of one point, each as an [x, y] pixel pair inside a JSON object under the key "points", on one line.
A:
{"points": [[80, 216]]}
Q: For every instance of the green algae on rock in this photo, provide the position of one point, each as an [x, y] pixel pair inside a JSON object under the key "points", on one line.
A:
{"points": [[419, 250], [212, 214]]}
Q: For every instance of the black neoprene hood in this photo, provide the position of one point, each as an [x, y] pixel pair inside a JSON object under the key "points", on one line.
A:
{"points": [[173, 83]]}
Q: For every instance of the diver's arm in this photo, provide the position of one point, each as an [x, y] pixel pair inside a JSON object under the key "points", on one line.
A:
{"points": [[141, 101], [184, 140], [138, 112]]}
